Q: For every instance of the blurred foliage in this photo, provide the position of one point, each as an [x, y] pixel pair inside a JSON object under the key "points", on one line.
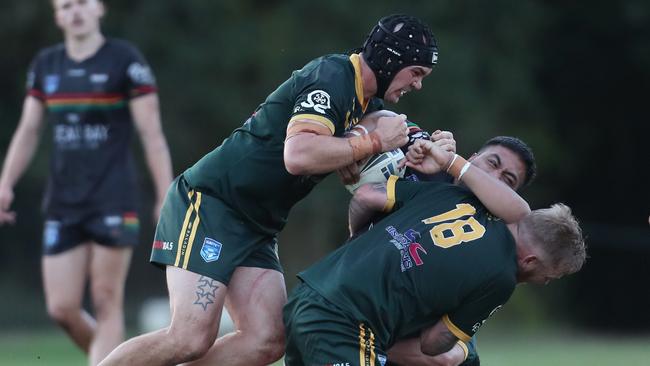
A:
{"points": [[570, 79]]}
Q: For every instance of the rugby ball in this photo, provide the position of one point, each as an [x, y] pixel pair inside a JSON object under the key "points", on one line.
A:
{"points": [[378, 168]]}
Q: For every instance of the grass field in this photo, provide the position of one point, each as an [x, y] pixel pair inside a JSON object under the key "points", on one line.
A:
{"points": [[555, 349]]}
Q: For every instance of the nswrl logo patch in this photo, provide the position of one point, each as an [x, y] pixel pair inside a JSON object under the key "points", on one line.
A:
{"points": [[211, 250]]}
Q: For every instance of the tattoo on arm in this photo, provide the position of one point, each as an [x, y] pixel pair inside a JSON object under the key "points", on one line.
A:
{"points": [[443, 342], [362, 208], [206, 290]]}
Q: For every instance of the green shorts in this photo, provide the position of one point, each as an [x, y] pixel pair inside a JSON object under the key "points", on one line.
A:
{"points": [[319, 333], [201, 234]]}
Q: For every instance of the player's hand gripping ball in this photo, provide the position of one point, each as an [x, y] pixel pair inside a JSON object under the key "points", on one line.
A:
{"points": [[378, 168]]}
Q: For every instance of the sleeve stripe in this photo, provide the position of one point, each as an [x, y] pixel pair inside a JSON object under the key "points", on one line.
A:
{"points": [[36, 94], [314, 118], [309, 125], [390, 193], [455, 330], [465, 350]]}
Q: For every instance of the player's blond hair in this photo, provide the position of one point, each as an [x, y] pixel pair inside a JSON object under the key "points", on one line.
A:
{"points": [[557, 232]]}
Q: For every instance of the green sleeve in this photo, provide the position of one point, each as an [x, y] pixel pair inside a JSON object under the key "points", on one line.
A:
{"points": [[465, 321], [321, 95]]}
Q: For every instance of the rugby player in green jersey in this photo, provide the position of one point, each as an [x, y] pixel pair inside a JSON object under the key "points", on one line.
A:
{"points": [[509, 160], [217, 232], [441, 264]]}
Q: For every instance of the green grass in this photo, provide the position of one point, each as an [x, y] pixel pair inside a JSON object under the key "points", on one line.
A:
{"points": [[558, 348], [498, 348], [39, 348]]}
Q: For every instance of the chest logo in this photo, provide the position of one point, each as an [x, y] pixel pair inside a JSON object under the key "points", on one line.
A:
{"points": [[98, 78], [319, 100], [51, 83]]}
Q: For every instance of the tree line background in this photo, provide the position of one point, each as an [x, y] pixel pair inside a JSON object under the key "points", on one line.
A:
{"points": [[570, 78]]}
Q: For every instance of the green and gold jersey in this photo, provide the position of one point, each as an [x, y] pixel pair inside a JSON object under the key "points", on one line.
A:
{"points": [[440, 255], [247, 170]]}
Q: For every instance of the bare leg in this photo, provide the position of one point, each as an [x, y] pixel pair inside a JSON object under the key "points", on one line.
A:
{"points": [[254, 300], [196, 303], [108, 270], [64, 279]]}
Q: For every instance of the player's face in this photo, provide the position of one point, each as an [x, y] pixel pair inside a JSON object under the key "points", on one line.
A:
{"points": [[502, 164], [407, 79], [78, 18]]}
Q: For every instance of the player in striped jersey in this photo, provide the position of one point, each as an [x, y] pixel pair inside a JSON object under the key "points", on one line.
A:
{"points": [[92, 90]]}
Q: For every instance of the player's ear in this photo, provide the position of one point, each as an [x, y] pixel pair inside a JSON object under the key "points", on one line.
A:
{"points": [[102, 8], [530, 262]]}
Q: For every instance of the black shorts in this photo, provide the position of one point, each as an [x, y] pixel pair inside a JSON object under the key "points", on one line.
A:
{"points": [[63, 232]]}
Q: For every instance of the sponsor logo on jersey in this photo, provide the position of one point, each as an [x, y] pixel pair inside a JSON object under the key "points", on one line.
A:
{"points": [[72, 117], [140, 74], [163, 245], [75, 73], [211, 250], [319, 100], [51, 233], [113, 220], [77, 136], [478, 325], [51, 83], [338, 364], [410, 250], [98, 78]]}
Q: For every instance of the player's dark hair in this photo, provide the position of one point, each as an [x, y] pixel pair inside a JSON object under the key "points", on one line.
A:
{"points": [[396, 42], [520, 148]]}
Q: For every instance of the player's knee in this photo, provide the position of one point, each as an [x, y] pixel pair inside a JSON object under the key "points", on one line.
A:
{"points": [[191, 344], [106, 299], [273, 350], [269, 345], [62, 314]]}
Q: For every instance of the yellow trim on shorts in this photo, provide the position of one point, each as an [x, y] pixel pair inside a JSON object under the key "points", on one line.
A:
{"points": [[363, 349], [314, 118], [372, 348], [195, 225], [455, 330], [390, 193], [181, 235], [465, 350], [362, 345]]}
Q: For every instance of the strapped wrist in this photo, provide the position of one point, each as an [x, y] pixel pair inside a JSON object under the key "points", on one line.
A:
{"points": [[365, 145], [458, 166]]}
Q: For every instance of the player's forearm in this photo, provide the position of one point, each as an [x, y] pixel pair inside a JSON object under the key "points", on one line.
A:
{"points": [[407, 352], [437, 339], [159, 162], [308, 154], [497, 197], [19, 155], [146, 115], [367, 201]]}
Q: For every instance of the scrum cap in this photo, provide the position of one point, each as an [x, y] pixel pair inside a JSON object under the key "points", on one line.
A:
{"points": [[396, 42]]}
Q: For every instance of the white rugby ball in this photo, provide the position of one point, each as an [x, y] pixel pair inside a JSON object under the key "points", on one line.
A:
{"points": [[378, 168]]}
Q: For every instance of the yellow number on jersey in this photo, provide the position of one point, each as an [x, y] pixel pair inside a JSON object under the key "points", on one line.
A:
{"points": [[456, 229]]}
